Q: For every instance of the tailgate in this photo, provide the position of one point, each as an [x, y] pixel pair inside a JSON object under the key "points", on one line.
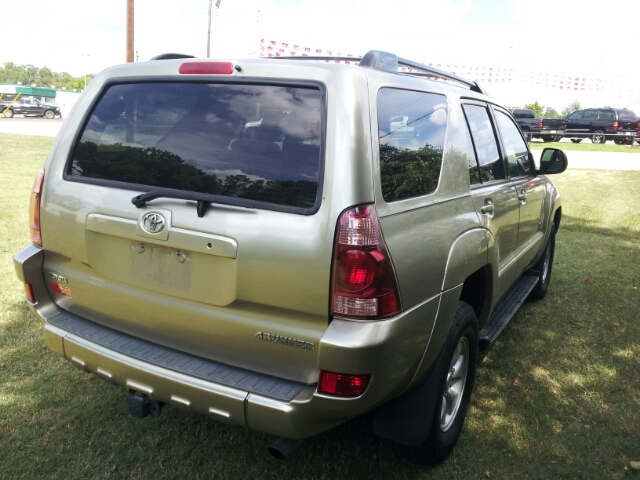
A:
{"points": [[231, 260]]}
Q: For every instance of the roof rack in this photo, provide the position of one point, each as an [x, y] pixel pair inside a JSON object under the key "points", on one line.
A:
{"points": [[389, 62]]}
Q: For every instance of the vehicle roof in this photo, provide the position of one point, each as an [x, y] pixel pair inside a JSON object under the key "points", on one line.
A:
{"points": [[168, 65]]}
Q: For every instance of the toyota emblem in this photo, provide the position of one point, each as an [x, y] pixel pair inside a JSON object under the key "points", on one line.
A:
{"points": [[153, 222]]}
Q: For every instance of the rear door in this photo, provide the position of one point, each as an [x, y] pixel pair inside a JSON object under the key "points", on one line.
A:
{"points": [[232, 253], [495, 198]]}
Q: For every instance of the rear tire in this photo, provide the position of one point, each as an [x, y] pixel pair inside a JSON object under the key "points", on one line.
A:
{"points": [[453, 378], [544, 266], [8, 113], [598, 137]]}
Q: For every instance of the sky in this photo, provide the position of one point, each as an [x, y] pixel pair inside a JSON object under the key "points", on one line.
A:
{"points": [[549, 36]]}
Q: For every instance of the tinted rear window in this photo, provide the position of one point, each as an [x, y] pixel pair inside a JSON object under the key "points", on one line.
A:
{"points": [[257, 142], [411, 133], [627, 116]]}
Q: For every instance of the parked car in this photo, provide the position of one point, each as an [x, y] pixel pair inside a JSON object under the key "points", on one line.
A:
{"points": [[602, 124], [547, 129], [290, 280], [30, 107]]}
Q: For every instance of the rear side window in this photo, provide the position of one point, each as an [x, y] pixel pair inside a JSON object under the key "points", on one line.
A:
{"points": [[411, 131], [590, 115], [257, 142], [484, 143], [606, 114]]}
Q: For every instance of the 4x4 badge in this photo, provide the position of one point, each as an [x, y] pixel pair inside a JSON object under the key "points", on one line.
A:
{"points": [[153, 222]]}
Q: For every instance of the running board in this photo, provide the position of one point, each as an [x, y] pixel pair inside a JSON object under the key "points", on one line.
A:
{"points": [[505, 309]]}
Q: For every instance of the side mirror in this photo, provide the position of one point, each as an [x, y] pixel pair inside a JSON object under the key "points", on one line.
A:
{"points": [[553, 161]]}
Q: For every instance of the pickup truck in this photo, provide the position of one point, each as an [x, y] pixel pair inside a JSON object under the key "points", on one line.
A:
{"points": [[548, 129], [30, 107]]}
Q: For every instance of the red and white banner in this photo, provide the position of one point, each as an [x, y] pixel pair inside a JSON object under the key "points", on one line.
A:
{"points": [[273, 48], [483, 75]]}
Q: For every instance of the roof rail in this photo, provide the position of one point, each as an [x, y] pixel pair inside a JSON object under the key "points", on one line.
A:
{"points": [[171, 56], [389, 62]]}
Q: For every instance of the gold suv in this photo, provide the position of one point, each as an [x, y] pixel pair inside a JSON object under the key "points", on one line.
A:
{"points": [[284, 244]]}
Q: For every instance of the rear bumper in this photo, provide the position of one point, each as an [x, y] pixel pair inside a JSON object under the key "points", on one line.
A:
{"points": [[391, 351]]}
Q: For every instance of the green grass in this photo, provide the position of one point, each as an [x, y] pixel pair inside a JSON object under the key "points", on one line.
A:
{"points": [[586, 146], [558, 396]]}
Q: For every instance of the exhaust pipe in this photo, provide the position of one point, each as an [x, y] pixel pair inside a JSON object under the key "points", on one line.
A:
{"points": [[282, 447]]}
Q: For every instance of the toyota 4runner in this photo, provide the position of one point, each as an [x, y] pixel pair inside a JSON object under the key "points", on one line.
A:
{"points": [[262, 241]]}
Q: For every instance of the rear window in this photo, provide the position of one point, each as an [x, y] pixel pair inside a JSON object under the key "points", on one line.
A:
{"points": [[523, 113], [256, 142], [411, 130], [626, 116]]}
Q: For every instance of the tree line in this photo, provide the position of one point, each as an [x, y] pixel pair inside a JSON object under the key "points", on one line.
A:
{"points": [[550, 112], [10, 73]]}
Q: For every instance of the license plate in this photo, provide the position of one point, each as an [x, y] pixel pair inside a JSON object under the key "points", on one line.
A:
{"points": [[628, 133], [552, 131]]}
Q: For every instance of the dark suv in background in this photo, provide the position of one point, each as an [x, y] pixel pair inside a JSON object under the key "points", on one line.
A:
{"points": [[602, 124]]}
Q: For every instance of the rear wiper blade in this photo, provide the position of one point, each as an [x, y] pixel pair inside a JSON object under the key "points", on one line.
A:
{"points": [[203, 199]]}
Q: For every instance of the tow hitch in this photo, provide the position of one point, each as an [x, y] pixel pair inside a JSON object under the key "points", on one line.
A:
{"points": [[140, 405]]}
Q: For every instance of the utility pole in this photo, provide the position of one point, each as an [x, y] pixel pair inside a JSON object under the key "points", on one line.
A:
{"points": [[129, 31], [209, 32], [209, 29]]}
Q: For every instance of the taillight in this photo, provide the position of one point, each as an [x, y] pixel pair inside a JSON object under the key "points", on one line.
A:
{"points": [[207, 68], [615, 126], [342, 385], [638, 127], [364, 282], [540, 123], [34, 209], [28, 291]]}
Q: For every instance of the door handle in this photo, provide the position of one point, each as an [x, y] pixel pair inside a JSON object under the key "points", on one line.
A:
{"points": [[488, 209], [522, 196]]}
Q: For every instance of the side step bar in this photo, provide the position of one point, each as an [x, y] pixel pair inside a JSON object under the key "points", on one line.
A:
{"points": [[505, 309]]}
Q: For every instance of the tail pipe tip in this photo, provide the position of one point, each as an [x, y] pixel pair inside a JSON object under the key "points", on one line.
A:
{"points": [[283, 447]]}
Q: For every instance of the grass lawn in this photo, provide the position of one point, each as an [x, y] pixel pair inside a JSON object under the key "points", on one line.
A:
{"points": [[558, 396], [586, 146]]}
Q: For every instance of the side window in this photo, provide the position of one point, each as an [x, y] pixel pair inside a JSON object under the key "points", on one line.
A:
{"points": [[517, 152], [605, 114], [466, 149], [411, 131], [591, 115], [484, 142], [575, 116]]}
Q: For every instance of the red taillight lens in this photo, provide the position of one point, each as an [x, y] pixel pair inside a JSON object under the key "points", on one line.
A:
{"points": [[364, 282], [638, 127], [34, 209], [28, 291], [357, 270], [207, 68], [540, 123], [343, 385], [615, 126]]}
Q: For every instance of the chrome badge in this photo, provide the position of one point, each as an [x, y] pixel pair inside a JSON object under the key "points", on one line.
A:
{"points": [[290, 342], [153, 223]]}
